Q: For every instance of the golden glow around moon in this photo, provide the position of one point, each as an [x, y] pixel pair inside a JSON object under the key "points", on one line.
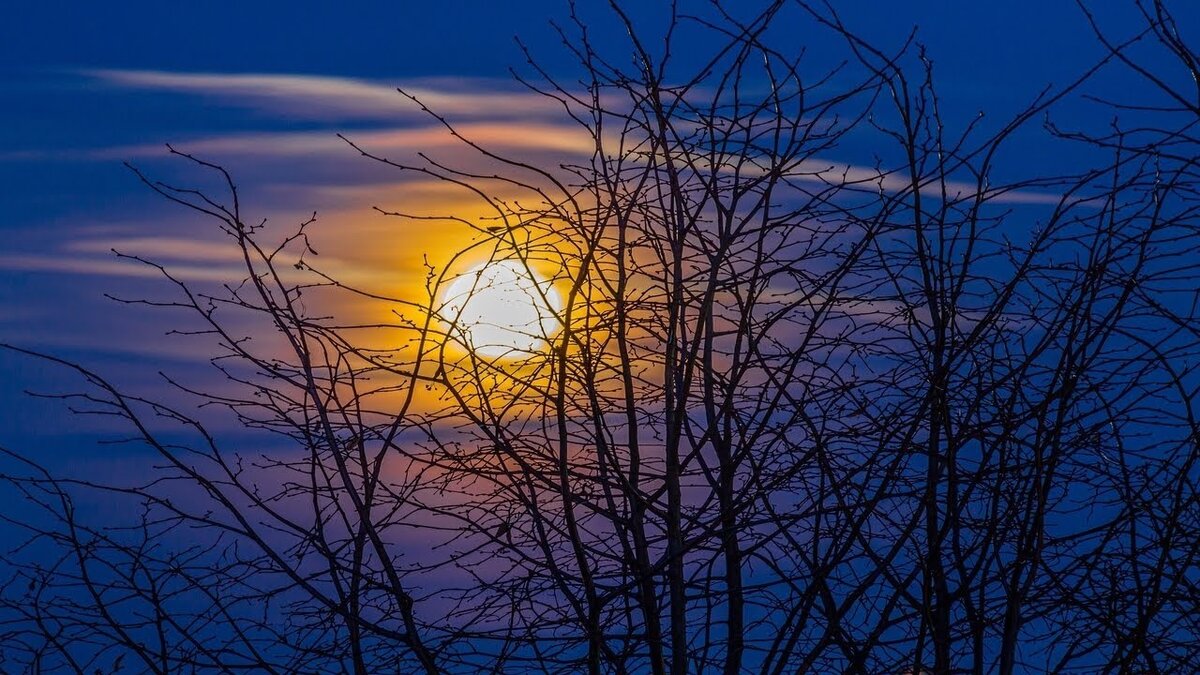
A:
{"points": [[501, 309]]}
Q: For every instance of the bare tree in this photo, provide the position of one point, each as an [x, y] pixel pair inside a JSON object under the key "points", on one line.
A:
{"points": [[786, 415]]}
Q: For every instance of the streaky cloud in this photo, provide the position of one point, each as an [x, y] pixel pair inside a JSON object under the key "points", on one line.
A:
{"points": [[327, 98], [510, 135]]}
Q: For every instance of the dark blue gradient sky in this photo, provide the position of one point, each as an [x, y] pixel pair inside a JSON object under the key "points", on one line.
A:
{"points": [[72, 108]]}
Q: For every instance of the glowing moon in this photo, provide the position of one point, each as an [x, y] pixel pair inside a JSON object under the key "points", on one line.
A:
{"points": [[501, 309]]}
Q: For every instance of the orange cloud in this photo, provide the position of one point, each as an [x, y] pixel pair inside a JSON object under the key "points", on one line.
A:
{"points": [[561, 138]]}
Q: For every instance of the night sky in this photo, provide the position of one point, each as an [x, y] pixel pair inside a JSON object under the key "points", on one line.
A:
{"points": [[263, 87], [268, 90]]}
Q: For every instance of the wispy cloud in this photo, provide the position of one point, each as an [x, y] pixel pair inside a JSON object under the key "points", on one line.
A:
{"points": [[187, 260], [320, 97], [839, 173], [490, 112], [512, 135], [159, 248], [112, 267]]}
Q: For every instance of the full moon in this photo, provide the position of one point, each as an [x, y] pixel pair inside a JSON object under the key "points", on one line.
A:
{"points": [[501, 309]]}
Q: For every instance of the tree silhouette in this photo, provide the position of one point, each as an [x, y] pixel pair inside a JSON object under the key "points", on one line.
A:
{"points": [[790, 415]]}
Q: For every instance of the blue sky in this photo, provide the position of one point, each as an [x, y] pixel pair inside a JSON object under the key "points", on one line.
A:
{"points": [[263, 87]]}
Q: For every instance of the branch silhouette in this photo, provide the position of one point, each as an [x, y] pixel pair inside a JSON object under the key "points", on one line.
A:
{"points": [[796, 416]]}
